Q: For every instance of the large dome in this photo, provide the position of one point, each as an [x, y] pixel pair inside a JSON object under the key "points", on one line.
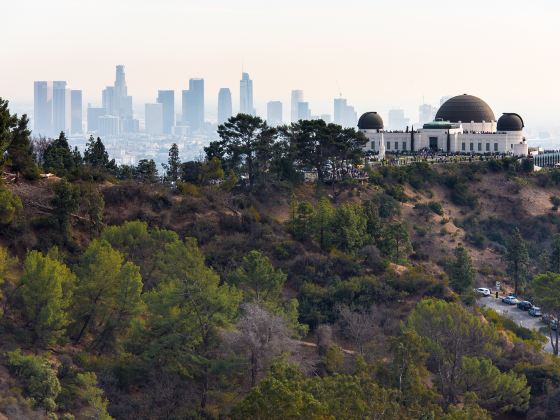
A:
{"points": [[465, 108], [370, 121], [510, 122]]}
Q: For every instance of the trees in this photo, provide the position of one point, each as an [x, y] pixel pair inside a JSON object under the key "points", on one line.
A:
{"points": [[258, 279], [58, 157], [38, 376], [261, 336], [245, 147], [322, 222], [92, 201], [20, 150], [546, 289], [461, 272], [450, 332], [554, 256], [349, 227], [107, 295], [146, 171], [65, 202], [7, 123], [10, 206], [303, 223], [47, 286], [173, 167], [395, 242], [97, 157], [517, 259]]}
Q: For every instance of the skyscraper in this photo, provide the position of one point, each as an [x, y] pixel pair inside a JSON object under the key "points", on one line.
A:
{"points": [[76, 112], [42, 108], [304, 113], [154, 119], [297, 97], [224, 105], [274, 113], [344, 114], [123, 102], [426, 113], [61, 115], [246, 95], [93, 115], [193, 104], [167, 99], [397, 120]]}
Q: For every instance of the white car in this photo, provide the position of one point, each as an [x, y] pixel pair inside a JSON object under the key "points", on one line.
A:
{"points": [[483, 291]]}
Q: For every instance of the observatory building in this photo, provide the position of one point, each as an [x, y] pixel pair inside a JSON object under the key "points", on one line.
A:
{"points": [[463, 124]]}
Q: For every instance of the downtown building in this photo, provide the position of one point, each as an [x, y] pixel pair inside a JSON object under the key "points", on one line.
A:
{"points": [[225, 111], [193, 105], [246, 95], [56, 109]]}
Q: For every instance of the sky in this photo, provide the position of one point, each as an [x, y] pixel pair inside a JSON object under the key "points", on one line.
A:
{"points": [[380, 54]]}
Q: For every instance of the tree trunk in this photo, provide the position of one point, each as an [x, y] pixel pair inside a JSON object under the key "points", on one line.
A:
{"points": [[253, 369]]}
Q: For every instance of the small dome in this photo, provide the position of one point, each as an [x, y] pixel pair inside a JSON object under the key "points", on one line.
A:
{"points": [[370, 121], [510, 122], [465, 108]]}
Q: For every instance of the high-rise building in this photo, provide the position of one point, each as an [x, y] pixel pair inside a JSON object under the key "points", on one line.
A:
{"points": [[304, 113], [274, 113], [426, 113], [154, 119], [297, 97], [344, 114], [224, 105], [109, 125], [93, 115], [246, 95], [327, 118], [397, 120], [42, 108], [193, 104], [167, 99], [61, 116], [76, 112], [123, 102]]}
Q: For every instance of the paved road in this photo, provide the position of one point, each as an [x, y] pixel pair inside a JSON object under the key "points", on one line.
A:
{"points": [[521, 318]]}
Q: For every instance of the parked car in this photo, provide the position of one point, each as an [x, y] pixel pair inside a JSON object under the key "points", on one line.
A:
{"points": [[525, 305], [547, 318], [510, 300], [483, 291], [535, 311]]}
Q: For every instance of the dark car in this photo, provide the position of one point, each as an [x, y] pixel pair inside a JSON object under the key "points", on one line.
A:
{"points": [[524, 305]]}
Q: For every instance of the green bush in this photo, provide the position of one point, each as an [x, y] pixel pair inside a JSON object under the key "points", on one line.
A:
{"points": [[38, 376], [10, 206]]}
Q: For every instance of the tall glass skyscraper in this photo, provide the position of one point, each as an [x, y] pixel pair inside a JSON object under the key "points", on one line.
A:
{"points": [[76, 111], [246, 95], [224, 105], [42, 108], [274, 113], [167, 99], [297, 97], [193, 104], [61, 115]]}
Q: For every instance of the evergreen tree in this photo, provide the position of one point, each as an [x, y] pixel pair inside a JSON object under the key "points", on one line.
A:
{"points": [[517, 259], [303, 225], [546, 289], [93, 204], [396, 242], [10, 206], [107, 295], [20, 151], [46, 291], [146, 171], [7, 123], [349, 227], [323, 222], [58, 157], [461, 272], [173, 167], [554, 257], [65, 202], [96, 156]]}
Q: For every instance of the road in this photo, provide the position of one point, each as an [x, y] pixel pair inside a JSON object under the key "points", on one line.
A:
{"points": [[521, 318]]}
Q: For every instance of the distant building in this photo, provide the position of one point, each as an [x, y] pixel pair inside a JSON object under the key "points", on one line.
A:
{"points": [[109, 125], [224, 105], [115, 99], [327, 118], [167, 99], [463, 124], [397, 120], [304, 113], [93, 115], [296, 98], [76, 111], [344, 114], [154, 119], [246, 95], [274, 113], [42, 108], [426, 113], [61, 117], [193, 104]]}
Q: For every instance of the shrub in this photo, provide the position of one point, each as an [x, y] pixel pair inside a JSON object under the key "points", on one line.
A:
{"points": [[39, 378], [186, 188], [10, 206], [436, 207]]}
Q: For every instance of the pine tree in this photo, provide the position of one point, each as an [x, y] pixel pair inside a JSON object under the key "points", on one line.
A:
{"points": [[96, 156], [173, 167], [517, 260], [7, 123], [461, 272], [20, 151], [554, 257], [323, 222]]}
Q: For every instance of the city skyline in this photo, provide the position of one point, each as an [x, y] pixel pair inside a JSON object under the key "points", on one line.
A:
{"points": [[407, 36]]}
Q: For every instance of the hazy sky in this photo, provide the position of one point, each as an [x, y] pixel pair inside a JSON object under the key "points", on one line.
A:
{"points": [[379, 54]]}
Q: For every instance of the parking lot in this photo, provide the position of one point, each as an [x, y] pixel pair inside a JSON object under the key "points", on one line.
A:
{"points": [[521, 318]]}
